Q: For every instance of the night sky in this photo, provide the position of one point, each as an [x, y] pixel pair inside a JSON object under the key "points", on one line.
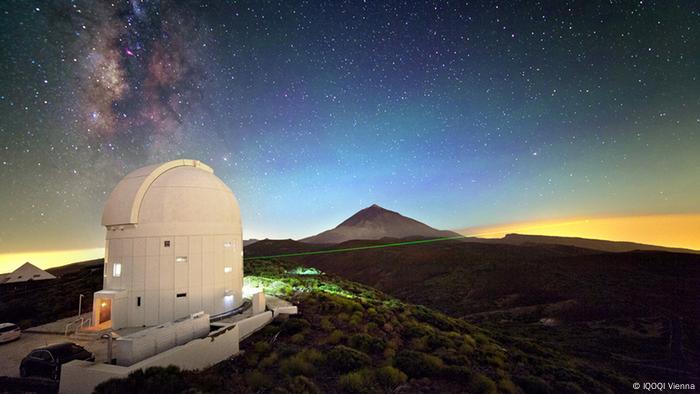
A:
{"points": [[458, 114]]}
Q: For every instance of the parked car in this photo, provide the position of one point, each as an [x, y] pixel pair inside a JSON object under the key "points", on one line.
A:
{"points": [[9, 332], [47, 361]]}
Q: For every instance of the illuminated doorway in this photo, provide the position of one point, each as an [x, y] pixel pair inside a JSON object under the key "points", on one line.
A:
{"points": [[105, 310]]}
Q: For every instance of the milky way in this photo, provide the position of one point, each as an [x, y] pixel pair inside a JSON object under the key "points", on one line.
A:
{"points": [[458, 114]]}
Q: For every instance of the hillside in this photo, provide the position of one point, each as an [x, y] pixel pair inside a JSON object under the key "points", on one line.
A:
{"points": [[375, 222], [26, 303], [354, 339], [635, 313]]}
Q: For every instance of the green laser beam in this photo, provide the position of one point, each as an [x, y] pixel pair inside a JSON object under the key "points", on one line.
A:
{"points": [[422, 241]]}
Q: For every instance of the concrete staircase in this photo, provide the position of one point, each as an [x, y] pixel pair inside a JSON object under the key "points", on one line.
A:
{"points": [[88, 334]]}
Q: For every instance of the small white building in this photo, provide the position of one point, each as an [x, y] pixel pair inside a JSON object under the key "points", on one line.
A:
{"points": [[173, 247], [25, 273]]}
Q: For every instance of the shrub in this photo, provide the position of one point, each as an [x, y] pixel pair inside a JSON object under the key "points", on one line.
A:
{"points": [[480, 338], [418, 330], [269, 361], [458, 373], [495, 360], [482, 384], [533, 384], [356, 319], [297, 338], [469, 341], [258, 380], [437, 340], [389, 352], [360, 382], [367, 343], [433, 318], [389, 377], [327, 325], [302, 385], [344, 359], [155, 380], [251, 359], [507, 386], [295, 325], [418, 364], [419, 343], [335, 337], [261, 347], [312, 355], [296, 365]]}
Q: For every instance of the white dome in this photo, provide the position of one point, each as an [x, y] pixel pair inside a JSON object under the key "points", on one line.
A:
{"points": [[180, 191]]}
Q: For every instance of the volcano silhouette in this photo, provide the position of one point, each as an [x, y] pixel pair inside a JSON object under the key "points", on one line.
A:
{"points": [[376, 222]]}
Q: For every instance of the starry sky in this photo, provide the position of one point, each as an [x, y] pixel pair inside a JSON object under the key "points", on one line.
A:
{"points": [[460, 114]]}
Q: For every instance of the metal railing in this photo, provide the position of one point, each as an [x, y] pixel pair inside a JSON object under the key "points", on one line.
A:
{"points": [[78, 324]]}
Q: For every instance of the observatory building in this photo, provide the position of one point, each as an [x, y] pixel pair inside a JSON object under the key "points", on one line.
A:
{"points": [[173, 247]]}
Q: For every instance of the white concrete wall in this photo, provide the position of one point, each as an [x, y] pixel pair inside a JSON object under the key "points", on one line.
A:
{"points": [[254, 323], [138, 346], [285, 310], [258, 303]]}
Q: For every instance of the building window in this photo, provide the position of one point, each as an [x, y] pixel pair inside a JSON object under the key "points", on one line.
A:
{"points": [[36, 276], [138, 301], [228, 269], [227, 244], [166, 244], [180, 295], [181, 259], [117, 270]]}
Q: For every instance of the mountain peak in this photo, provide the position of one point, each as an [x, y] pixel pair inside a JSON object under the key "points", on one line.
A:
{"points": [[375, 222], [369, 214]]}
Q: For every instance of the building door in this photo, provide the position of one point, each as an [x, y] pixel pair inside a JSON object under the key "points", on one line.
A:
{"points": [[105, 310]]}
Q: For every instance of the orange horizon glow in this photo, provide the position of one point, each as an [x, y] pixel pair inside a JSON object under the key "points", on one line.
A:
{"points": [[45, 259], [673, 230]]}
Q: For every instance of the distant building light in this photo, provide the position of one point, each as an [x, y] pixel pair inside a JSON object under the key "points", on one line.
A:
{"points": [[228, 269], [117, 270], [181, 259], [228, 293], [227, 244]]}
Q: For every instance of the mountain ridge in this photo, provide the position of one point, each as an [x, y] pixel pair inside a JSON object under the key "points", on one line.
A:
{"points": [[375, 222], [586, 243]]}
